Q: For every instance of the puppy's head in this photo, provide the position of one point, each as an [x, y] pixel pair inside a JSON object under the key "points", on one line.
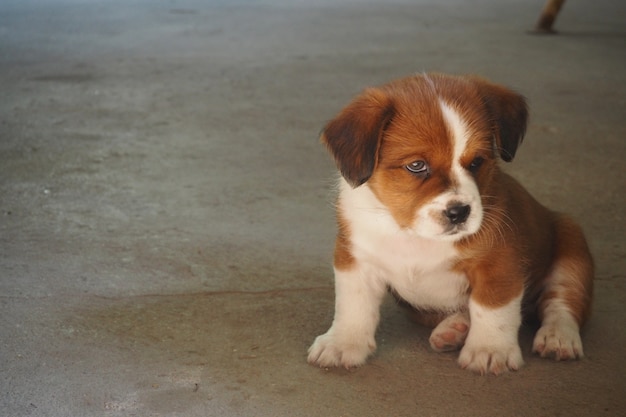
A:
{"points": [[427, 147]]}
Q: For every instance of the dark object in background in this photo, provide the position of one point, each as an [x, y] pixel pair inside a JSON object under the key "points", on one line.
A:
{"points": [[548, 16]]}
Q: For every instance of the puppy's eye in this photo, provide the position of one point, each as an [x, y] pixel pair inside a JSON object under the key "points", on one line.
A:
{"points": [[419, 168], [475, 164]]}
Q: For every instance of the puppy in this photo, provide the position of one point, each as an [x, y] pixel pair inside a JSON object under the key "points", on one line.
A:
{"points": [[424, 211]]}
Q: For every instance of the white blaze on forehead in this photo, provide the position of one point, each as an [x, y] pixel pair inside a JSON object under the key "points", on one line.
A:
{"points": [[431, 220], [458, 130]]}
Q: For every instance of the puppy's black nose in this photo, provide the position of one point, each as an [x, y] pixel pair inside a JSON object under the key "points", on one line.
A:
{"points": [[457, 213]]}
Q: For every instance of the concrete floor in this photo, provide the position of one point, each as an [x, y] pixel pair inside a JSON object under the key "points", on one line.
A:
{"points": [[166, 226]]}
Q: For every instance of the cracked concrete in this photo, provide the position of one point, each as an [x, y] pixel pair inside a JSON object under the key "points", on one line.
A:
{"points": [[166, 222]]}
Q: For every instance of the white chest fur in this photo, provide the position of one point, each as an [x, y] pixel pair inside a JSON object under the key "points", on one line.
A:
{"points": [[418, 269]]}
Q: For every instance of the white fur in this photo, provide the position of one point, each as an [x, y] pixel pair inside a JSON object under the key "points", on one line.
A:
{"points": [[350, 339], [492, 345], [417, 269]]}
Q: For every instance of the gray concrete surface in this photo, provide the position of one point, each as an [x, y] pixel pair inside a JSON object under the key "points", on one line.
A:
{"points": [[166, 226]]}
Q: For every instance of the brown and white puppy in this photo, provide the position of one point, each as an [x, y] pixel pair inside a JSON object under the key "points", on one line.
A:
{"points": [[424, 211]]}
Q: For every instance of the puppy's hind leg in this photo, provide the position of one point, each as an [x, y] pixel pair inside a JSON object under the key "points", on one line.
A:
{"points": [[451, 333], [449, 330], [565, 302]]}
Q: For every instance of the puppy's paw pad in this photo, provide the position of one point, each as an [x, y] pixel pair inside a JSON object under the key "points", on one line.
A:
{"points": [[330, 351], [558, 342], [450, 334], [490, 359]]}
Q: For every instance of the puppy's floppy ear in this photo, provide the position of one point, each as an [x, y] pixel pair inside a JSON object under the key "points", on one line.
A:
{"points": [[354, 136], [509, 116]]}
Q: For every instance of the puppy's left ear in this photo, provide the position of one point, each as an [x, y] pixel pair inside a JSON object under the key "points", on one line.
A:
{"points": [[354, 136], [509, 114]]}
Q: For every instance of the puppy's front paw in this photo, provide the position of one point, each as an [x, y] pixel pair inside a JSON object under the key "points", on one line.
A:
{"points": [[330, 350], [485, 358], [561, 342]]}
